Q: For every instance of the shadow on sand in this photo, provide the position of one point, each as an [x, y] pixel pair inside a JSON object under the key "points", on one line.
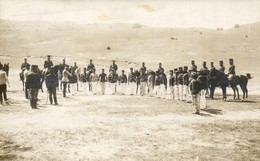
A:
{"points": [[212, 111]]}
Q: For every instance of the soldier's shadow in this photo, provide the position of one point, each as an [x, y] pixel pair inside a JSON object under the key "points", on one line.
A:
{"points": [[213, 111]]}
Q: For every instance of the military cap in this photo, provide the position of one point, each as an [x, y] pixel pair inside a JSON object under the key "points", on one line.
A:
{"points": [[204, 62], [34, 66], [211, 62], [131, 68], [123, 70], [175, 70], [25, 58], [221, 61], [192, 61], [48, 56], [180, 68], [171, 71], [185, 67], [231, 59]]}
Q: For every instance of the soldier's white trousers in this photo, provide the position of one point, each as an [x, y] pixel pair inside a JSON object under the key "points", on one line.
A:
{"points": [[94, 87], [142, 88], [150, 90], [185, 92], [196, 101], [85, 86], [203, 102], [73, 88], [171, 92], [132, 86], [113, 88], [103, 87], [176, 89], [180, 92], [123, 88], [162, 91]]}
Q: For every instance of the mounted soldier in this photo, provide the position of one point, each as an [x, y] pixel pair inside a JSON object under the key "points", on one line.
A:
{"points": [[222, 68], [143, 68], [193, 66], [231, 70], [48, 63], [160, 67], [113, 66], [25, 64], [91, 66]]}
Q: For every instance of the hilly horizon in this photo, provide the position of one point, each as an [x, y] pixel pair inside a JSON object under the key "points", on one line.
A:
{"points": [[130, 44]]}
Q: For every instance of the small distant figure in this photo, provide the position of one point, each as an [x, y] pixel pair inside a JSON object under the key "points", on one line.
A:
{"points": [[195, 91], [108, 48], [33, 83], [3, 82], [200, 33], [48, 63], [143, 81], [103, 80], [113, 67], [171, 84], [52, 82]]}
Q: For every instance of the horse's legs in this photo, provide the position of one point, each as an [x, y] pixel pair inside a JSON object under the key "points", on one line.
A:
{"points": [[233, 88], [212, 90], [237, 92], [224, 93]]}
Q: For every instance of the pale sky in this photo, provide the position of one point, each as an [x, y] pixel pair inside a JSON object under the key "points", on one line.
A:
{"points": [[161, 13]]}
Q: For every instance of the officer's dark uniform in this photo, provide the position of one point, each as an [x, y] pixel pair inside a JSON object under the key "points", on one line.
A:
{"points": [[33, 84], [113, 67], [193, 66], [51, 84], [24, 65], [91, 67], [122, 79], [222, 68], [48, 64]]}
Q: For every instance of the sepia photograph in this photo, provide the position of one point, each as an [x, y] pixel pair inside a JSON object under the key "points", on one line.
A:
{"points": [[129, 80]]}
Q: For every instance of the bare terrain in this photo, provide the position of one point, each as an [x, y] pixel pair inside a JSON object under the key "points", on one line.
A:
{"points": [[115, 127]]}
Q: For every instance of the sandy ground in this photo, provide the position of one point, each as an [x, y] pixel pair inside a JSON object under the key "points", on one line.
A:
{"points": [[115, 127]]}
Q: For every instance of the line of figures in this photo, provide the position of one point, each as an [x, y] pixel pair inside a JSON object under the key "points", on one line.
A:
{"points": [[181, 83]]}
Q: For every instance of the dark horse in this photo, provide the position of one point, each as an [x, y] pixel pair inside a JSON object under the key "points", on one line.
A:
{"points": [[218, 79], [242, 81]]}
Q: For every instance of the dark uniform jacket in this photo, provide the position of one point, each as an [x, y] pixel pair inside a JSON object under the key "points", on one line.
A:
{"points": [[231, 69], [195, 86], [113, 67], [51, 81], [122, 79], [180, 78], [24, 65], [186, 78], [102, 77], [33, 81], [143, 69], [91, 67], [194, 68], [131, 77], [172, 81], [112, 78], [48, 64], [222, 69]]}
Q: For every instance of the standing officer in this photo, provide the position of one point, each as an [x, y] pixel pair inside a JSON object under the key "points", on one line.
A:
{"points": [[61, 68], [33, 83], [195, 91], [94, 81], [48, 63], [52, 82], [185, 83], [176, 83], [132, 81], [113, 66], [222, 68]]}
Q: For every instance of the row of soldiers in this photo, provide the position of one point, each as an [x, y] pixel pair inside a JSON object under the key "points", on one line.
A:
{"points": [[142, 81]]}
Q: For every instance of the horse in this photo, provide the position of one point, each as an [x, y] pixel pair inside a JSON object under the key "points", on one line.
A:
{"points": [[6, 68], [218, 79], [242, 81]]}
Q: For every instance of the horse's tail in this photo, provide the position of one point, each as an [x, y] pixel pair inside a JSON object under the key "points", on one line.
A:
{"points": [[248, 75]]}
